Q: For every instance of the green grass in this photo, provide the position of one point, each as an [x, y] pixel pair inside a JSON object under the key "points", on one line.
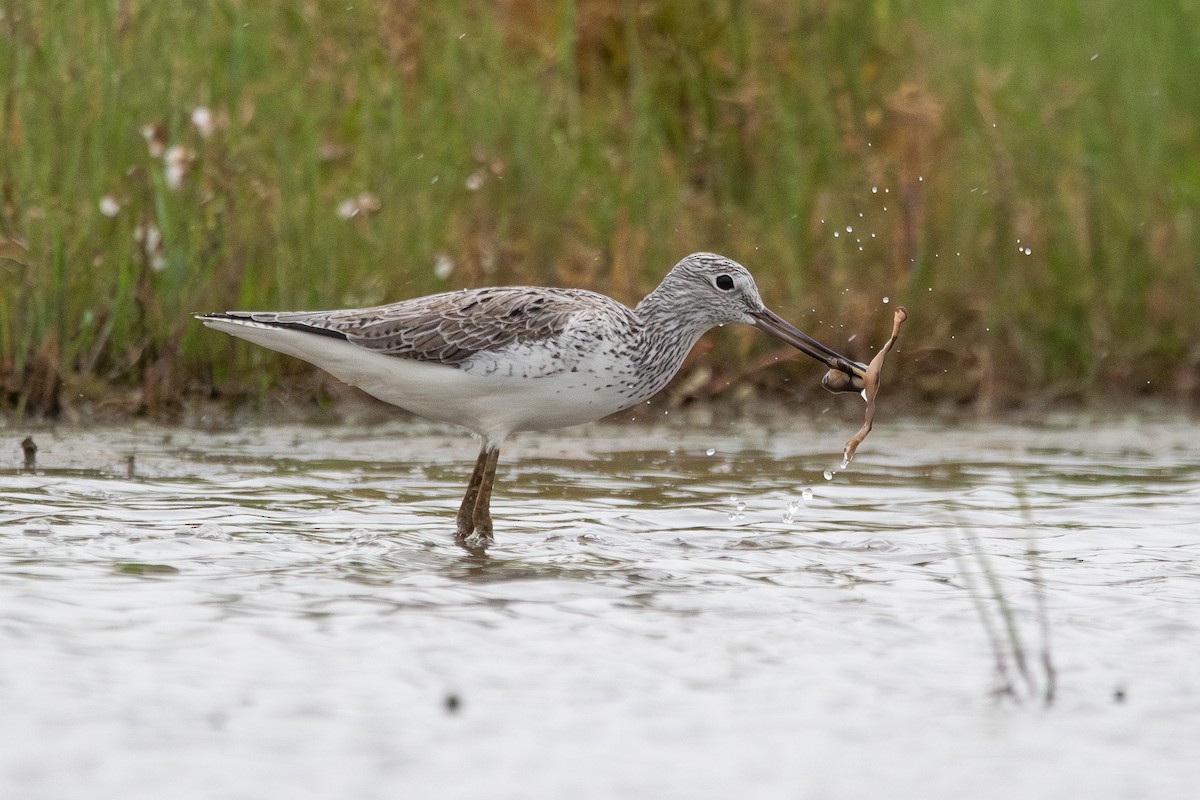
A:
{"points": [[593, 144]]}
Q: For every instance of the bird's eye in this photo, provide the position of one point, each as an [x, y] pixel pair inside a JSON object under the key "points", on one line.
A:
{"points": [[723, 282]]}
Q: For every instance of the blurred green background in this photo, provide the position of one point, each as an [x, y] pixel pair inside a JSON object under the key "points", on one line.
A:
{"points": [[1024, 177]]}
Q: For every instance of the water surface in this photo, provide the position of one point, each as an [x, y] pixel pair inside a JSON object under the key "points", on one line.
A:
{"points": [[679, 609]]}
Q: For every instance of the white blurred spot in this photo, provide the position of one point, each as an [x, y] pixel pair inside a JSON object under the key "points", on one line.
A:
{"points": [[149, 237], [176, 162], [365, 204], [204, 121], [156, 139]]}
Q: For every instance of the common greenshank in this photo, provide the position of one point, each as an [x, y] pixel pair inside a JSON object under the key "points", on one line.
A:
{"points": [[507, 359]]}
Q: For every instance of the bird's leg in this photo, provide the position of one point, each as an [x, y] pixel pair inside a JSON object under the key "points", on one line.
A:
{"points": [[482, 520], [466, 512]]}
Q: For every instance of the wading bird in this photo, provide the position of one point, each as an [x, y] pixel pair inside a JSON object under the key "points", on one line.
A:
{"points": [[507, 359]]}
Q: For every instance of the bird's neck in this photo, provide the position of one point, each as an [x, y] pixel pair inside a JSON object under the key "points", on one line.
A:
{"points": [[662, 314], [668, 332]]}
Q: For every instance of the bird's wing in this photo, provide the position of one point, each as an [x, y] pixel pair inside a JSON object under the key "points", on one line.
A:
{"points": [[452, 327]]}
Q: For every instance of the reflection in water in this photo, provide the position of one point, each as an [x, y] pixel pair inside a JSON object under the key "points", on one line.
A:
{"points": [[697, 606]]}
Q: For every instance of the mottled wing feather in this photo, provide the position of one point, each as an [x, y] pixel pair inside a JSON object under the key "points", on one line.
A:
{"points": [[450, 328]]}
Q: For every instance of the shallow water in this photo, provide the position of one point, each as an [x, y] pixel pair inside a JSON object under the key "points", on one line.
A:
{"points": [[685, 609]]}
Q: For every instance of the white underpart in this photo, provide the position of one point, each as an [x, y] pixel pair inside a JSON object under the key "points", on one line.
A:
{"points": [[525, 387]]}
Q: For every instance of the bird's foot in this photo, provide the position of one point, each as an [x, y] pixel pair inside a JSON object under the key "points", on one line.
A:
{"points": [[474, 533], [475, 542], [464, 527]]}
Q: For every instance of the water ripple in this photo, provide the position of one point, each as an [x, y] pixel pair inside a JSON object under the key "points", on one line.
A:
{"points": [[288, 602]]}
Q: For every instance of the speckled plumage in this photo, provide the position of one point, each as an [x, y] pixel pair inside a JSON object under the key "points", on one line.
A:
{"points": [[507, 359], [449, 328]]}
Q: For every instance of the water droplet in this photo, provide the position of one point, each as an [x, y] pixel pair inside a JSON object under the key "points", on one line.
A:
{"points": [[887, 299], [710, 452], [738, 507], [807, 494], [849, 229], [836, 234], [874, 190], [828, 474]]}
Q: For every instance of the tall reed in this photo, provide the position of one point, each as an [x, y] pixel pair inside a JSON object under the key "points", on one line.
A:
{"points": [[1024, 178]]}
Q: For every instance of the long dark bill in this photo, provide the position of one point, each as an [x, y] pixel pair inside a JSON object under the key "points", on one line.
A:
{"points": [[780, 328]]}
